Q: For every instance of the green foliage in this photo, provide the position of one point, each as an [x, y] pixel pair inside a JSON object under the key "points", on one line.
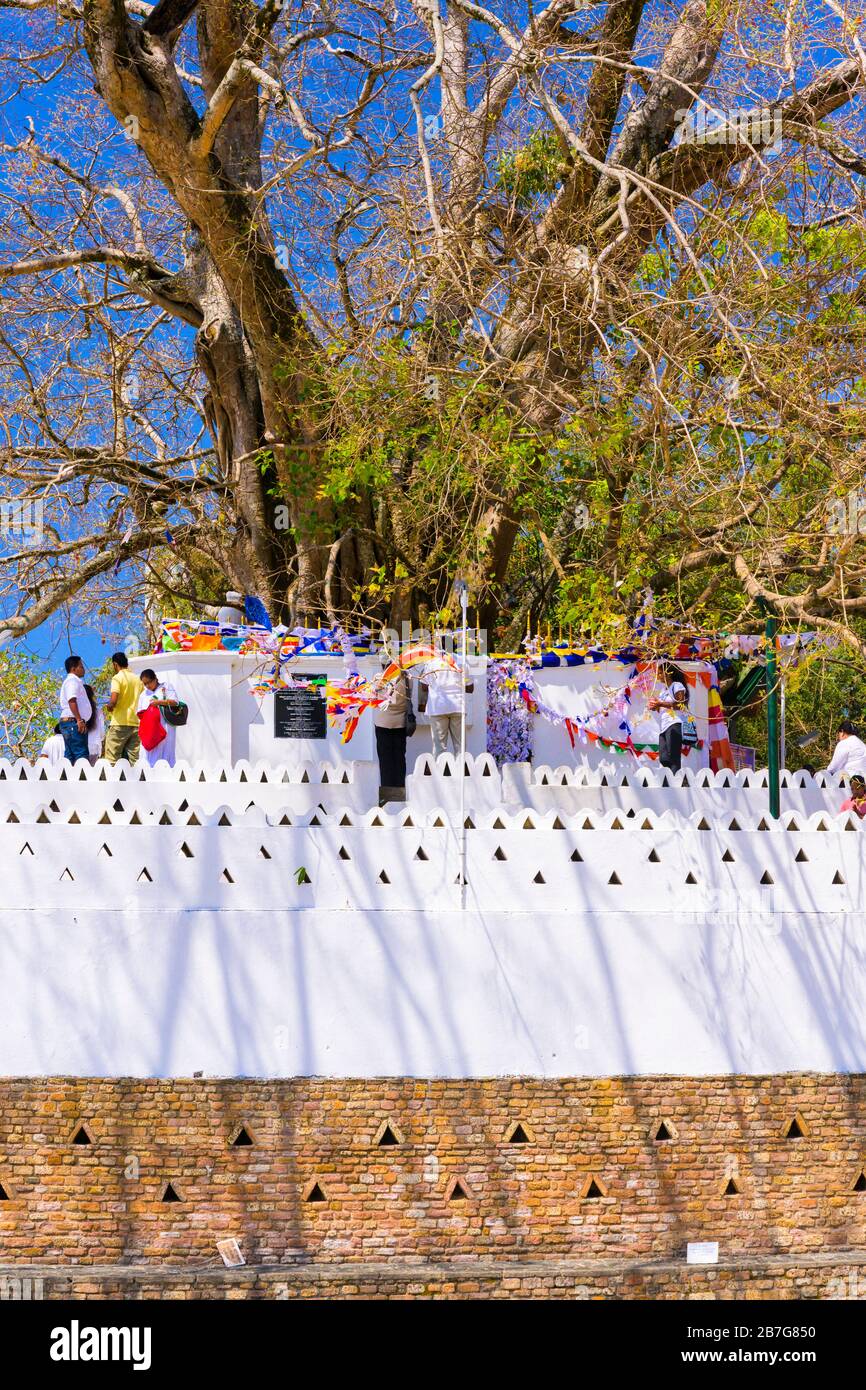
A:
{"points": [[538, 167], [28, 705]]}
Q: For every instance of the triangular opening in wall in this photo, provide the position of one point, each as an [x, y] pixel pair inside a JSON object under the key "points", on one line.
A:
{"points": [[144, 876], [762, 824], [284, 820], [539, 877], [118, 805], [74, 819], [796, 1128], [439, 824], [690, 878], [528, 824], [344, 853], [604, 782], [222, 777], [653, 858], [428, 771], [193, 819], [408, 821], [662, 1134], [104, 819], [767, 878], [243, 1139], [41, 819], [225, 877], [377, 822], [135, 819], [849, 825], [588, 825], [315, 1194], [203, 778], [469, 823], [728, 858], [576, 856], [165, 819], [616, 824], [499, 853], [4, 1195], [185, 850], [344, 819], [703, 824], [731, 1188], [170, 1194], [223, 820], [485, 771], [103, 849], [305, 777], [461, 881], [345, 778], [615, 878], [302, 876], [499, 824], [647, 825], [264, 853], [325, 777], [387, 1139], [837, 877], [822, 825], [860, 1182], [801, 857], [735, 824], [383, 877], [593, 1189], [517, 1134], [54, 807], [25, 849], [67, 874], [81, 1136], [422, 854], [544, 781], [557, 824], [792, 825], [458, 1191]]}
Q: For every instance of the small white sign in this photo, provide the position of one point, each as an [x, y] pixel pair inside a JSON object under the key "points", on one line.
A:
{"points": [[231, 1253], [702, 1252]]}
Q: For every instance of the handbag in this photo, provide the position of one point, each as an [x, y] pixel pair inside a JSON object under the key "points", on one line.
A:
{"points": [[176, 715], [411, 721], [150, 728]]}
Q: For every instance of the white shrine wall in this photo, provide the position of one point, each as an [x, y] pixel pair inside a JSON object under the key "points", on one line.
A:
{"points": [[156, 926]]}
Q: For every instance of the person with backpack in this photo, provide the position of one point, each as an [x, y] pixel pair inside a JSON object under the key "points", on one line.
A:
{"points": [[164, 697], [394, 724]]}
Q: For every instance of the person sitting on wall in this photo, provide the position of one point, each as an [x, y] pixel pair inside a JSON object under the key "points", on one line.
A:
{"points": [[857, 800], [850, 753], [122, 740], [75, 710], [667, 701], [163, 695]]}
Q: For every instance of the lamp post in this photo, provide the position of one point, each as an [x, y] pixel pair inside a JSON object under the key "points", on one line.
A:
{"points": [[771, 628]]}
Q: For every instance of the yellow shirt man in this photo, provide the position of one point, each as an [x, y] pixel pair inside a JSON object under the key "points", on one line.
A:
{"points": [[121, 740]]}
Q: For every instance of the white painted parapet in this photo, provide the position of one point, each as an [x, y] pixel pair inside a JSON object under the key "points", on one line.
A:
{"points": [[165, 921]]}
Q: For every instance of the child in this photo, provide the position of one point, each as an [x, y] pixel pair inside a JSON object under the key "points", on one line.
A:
{"points": [[857, 800]]}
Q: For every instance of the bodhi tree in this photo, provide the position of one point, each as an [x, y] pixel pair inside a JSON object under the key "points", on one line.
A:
{"points": [[332, 301]]}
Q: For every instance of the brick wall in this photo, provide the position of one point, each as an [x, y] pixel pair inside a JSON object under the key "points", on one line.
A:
{"points": [[592, 1183]]}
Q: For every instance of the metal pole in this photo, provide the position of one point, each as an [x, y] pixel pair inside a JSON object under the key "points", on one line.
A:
{"points": [[783, 702], [464, 608], [771, 627]]}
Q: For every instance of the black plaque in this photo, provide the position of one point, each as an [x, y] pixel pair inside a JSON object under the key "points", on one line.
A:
{"points": [[299, 711]]}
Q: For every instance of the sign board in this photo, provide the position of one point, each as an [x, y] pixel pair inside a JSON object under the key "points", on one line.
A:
{"points": [[299, 711], [702, 1252]]}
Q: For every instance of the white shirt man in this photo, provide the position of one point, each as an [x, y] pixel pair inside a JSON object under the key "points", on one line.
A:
{"points": [[444, 703], [73, 689], [849, 758]]}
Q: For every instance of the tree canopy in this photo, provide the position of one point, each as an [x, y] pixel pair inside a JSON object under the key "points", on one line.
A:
{"points": [[332, 302]]}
